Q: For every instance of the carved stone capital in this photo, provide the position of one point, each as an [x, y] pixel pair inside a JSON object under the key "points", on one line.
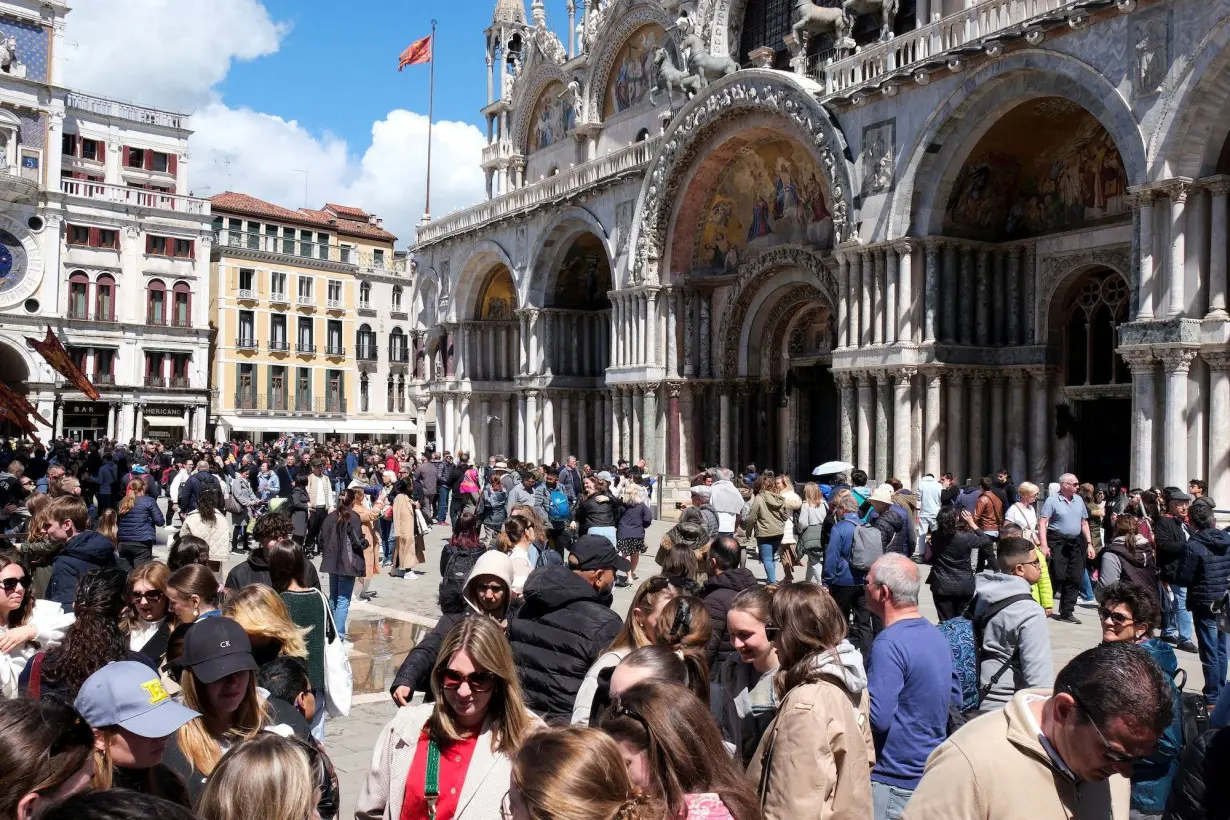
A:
{"points": [[1217, 360], [1139, 361], [1217, 185], [1017, 377], [673, 389], [1178, 190], [904, 376], [1176, 360]]}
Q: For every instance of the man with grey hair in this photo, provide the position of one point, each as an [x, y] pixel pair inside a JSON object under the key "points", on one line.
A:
{"points": [[910, 681], [701, 495], [726, 500], [1064, 537]]}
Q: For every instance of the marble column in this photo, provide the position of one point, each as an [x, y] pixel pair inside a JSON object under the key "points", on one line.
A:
{"points": [[843, 301], [999, 432], [636, 426], [506, 424], [450, 422], [884, 411], [724, 434], [672, 427], [1029, 282], [1177, 272], [855, 298], [1013, 296], [673, 365], [902, 467], [951, 286], [608, 431], [1040, 437], [642, 330], [1016, 425], [582, 449], [706, 366], [965, 331], [534, 367], [651, 449], [866, 412], [878, 301], [982, 299], [651, 329], [956, 443], [1218, 188], [549, 439], [846, 398], [1144, 311], [464, 440], [689, 335], [974, 422], [523, 440], [932, 424], [566, 445], [615, 423], [892, 309], [1175, 363], [866, 299], [533, 426], [485, 446], [615, 336], [549, 349], [1144, 409], [999, 316], [905, 293], [1219, 425], [931, 290]]}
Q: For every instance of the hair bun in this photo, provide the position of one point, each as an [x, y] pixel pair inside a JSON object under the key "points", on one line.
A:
{"points": [[630, 809]]}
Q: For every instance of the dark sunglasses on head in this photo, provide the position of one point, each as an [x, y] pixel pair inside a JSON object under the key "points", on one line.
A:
{"points": [[478, 681], [11, 584], [153, 596]]}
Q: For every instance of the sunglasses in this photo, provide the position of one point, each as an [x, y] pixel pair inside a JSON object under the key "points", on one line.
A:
{"points": [[772, 631], [1117, 618], [478, 681], [153, 596], [1107, 752], [11, 584]]}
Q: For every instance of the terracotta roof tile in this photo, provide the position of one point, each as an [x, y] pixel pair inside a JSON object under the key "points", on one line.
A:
{"points": [[347, 212], [246, 204], [364, 229]]}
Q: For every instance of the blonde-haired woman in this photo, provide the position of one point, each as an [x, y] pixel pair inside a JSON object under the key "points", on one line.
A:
{"points": [[810, 530], [137, 527], [823, 714], [466, 738], [793, 503], [639, 629], [634, 518], [1023, 514], [262, 613], [269, 777], [575, 773]]}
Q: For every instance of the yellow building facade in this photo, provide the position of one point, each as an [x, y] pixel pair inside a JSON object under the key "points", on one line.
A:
{"points": [[285, 296]]}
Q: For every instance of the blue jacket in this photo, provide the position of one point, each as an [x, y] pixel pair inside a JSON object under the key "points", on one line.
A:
{"points": [[141, 523], [108, 475], [1214, 573], [1151, 777], [837, 569], [83, 552]]}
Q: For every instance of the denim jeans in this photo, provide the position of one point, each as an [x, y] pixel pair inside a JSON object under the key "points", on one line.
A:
{"points": [[386, 538], [1212, 645], [1086, 586], [442, 505], [341, 587], [888, 802], [1176, 620], [768, 554]]}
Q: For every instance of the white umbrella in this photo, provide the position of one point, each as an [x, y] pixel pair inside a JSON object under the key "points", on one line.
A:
{"points": [[831, 467]]}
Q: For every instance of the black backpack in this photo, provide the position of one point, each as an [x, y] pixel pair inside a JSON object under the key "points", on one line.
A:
{"points": [[456, 571], [1195, 710]]}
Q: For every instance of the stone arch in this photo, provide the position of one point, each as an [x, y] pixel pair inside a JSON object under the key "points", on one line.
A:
{"points": [[1195, 115], [1058, 275], [472, 274], [525, 100], [723, 35], [17, 369], [637, 14], [759, 279], [425, 300], [977, 104], [552, 245], [790, 101], [496, 296]]}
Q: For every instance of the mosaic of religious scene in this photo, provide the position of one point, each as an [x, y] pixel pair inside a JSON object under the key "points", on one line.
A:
{"points": [[499, 298], [554, 116], [585, 276], [1046, 166], [632, 74], [772, 194]]}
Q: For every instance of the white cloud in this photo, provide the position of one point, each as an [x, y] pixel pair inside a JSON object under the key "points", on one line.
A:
{"points": [[187, 48]]}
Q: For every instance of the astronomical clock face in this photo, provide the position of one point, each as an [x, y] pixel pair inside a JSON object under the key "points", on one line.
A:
{"points": [[21, 268]]}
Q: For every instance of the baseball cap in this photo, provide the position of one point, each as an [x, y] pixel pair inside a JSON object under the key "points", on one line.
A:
{"points": [[595, 552], [216, 647], [131, 695]]}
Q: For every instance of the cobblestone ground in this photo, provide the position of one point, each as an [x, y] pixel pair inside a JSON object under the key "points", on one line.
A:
{"points": [[384, 630]]}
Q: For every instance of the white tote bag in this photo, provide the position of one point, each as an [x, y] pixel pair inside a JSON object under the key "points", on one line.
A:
{"points": [[339, 680]]}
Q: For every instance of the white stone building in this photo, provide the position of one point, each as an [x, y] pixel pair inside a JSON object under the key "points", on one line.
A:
{"points": [[104, 244]]}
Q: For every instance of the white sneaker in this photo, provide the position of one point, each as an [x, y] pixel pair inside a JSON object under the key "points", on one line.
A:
{"points": [[410, 576]]}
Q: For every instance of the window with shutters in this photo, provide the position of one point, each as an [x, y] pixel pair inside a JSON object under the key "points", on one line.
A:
{"points": [[181, 310], [277, 332], [108, 238], [68, 144], [158, 161], [89, 149], [397, 298], [134, 157], [78, 295], [247, 385], [78, 235], [85, 236], [336, 404], [303, 389], [247, 281], [184, 248], [278, 399], [333, 337], [247, 329], [305, 287], [335, 292], [305, 335], [104, 299], [104, 364], [156, 305], [365, 294], [156, 245], [278, 285]]}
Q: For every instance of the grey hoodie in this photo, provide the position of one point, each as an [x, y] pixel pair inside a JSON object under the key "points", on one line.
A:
{"points": [[1022, 626], [845, 663]]}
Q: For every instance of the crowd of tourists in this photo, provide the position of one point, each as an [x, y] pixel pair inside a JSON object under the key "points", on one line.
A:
{"points": [[200, 684]]}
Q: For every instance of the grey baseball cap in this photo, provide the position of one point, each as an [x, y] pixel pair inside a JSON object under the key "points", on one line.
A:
{"points": [[130, 694]]}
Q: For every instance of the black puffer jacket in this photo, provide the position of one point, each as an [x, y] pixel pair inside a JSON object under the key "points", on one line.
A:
{"points": [[951, 570], [893, 531], [1200, 789], [716, 595], [83, 552], [600, 510], [1214, 572], [561, 629], [1170, 535], [255, 570]]}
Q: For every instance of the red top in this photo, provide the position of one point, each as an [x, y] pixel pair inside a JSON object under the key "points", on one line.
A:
{"points": [[454, 762]]}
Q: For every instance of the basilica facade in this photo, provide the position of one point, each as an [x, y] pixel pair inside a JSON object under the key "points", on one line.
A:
{"points": [[945, 235]]}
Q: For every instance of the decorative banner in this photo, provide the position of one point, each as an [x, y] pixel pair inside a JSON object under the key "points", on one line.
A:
{"points": [[417, 53], [19, 420], [19, 404], [56, 356]]}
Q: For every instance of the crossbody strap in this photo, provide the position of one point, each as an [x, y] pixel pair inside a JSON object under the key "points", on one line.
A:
{"points": [[330, 626], [431, 784]]}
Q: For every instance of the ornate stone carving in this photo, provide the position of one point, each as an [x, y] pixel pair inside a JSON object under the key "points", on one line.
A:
{"points": [[700, 62], [670, 77], [549, 45], [1053, 269], [619, 30], [1177, 360], [730, 99], [1218, 360], [1139, 361], [9, 63]]}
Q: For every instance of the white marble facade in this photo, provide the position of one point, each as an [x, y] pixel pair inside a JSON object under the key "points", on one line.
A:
{"points": [[900, 343]]}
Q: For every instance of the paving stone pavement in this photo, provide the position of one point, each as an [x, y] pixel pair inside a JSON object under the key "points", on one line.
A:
{"points": [[384, 630]]}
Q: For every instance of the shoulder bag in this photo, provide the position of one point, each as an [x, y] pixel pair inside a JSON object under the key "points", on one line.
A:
{"points": [[339, 680]]}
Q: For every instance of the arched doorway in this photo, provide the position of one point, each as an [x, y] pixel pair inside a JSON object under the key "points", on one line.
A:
{"points": [[496, 334], [15, 374]]}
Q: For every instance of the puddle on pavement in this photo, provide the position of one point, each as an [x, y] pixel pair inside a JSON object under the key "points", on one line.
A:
{"points": [[380, 645]]}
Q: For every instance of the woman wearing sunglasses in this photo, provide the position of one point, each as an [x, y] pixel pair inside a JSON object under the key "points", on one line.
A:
{"points": [[145, 620], [1130, 613], [26, 624], [452, 758]]}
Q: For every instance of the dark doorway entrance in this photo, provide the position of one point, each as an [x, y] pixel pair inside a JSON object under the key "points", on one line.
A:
{"points": [[1101, 436], [818, 435]]}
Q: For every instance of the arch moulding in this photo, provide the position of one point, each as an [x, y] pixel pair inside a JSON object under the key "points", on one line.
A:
{"points": [[1060, 269], [525, 99], [544, 260], [788, 98], [472, 274], [1195, 114], [613, 38]]}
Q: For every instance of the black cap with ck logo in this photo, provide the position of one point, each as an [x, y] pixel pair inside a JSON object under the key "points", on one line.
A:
{"points": [[216, 647]]}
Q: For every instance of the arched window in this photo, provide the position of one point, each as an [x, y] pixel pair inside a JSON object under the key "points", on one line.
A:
{"points": [[156, 303], [397, 346], [104, 298], [181, 310], [78, 295], [365, 294], [642, 135], [364, 394], [1098, 306], [397, 298], [365, 341]]}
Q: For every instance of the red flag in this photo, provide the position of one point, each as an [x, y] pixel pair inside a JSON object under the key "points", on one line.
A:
{"points": [[417, 53], [56, 356], [19, 404], [18, 419]]}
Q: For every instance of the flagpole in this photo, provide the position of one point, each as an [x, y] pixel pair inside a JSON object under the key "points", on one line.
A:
{"points": [[431, 104]]}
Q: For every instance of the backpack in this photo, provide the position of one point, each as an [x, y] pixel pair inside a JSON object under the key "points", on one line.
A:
{"points": [[866, 547], [457, 571], [964, 634], [1194, 710], [557, 506]]}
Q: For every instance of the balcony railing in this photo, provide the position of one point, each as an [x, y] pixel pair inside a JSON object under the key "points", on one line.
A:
{"points": [[635, 156], [399, 356], [964, 28], [286, 403], [181, 382], [278, 346], [137, 197], [247, 293], [366, 353], [279, 298], [302, 348], [365, 306], [103, 378], [306, 301], [246, 343], [247, 401], [127, 111], [335, 304], [496, 151], [155, 381], [335, 350]]}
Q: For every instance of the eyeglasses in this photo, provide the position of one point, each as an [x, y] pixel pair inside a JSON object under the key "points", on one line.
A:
{"points": [[772, 631], [1117, 618], [478, 681], [1107, 752], [11, 584], [153, 596], [1036, 563]]}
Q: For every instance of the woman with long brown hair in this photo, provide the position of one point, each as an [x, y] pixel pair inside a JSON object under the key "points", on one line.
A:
{"points": [[823, 714], [748, 676], [451, 759], [342, 542], [38, 550], [674, 752], [26, 623], [137, 529], [209, 523], [192, 591], [46, 754], [145, 618]]}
